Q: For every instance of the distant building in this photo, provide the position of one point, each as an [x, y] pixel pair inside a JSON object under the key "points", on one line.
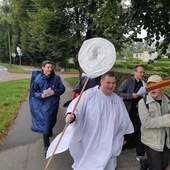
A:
{"points": [[145, 56]]}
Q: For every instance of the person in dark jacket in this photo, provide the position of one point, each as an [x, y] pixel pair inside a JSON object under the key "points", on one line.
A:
{"points": [[79, 86], [128, 92], [45, 92]]}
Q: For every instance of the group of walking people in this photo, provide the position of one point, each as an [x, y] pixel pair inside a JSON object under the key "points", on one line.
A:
{"points": [[150, 116], [105, 121]]}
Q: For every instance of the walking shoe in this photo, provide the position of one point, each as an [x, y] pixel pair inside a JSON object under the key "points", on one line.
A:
{"points": [[139, 157]]}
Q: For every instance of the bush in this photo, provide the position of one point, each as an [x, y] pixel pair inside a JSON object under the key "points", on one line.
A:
{"points": [[149, 67], [160, 64], [162, 71], [162, 74], [120, 65], [163, 59], [131, 66]]}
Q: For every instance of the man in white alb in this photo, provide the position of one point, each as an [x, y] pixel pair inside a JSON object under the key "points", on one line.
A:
{"points": [[99, 123]]}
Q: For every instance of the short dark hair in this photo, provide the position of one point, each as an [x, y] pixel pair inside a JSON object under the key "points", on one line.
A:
{"points": [[136, 67], [46, 62], [109, 73]]}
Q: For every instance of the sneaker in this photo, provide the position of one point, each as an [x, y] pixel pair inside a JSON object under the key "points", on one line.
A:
{"points": [[143, 164], [139, 157]]}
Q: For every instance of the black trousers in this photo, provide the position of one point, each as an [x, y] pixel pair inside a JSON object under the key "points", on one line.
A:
{"points": [[134, 139], [157, 160], [46, 137], [46, 140]]}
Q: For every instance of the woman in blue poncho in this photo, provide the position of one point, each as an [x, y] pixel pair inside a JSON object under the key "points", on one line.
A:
{"points": [[45, 90]]}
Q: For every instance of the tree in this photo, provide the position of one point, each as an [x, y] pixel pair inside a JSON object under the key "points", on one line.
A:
{"points": [[154, 17], [55, 30], [5, 32], [60, 27], [20, 34]]}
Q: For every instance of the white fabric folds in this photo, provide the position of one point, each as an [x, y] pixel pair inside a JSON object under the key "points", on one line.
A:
{"points": [[101, 122], [96, 56]]}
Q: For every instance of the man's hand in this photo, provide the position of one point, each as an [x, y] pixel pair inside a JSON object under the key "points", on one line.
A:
{"points": [[43, 95], [51, 92], [124, 142], [47, 93], [135, 95], [69, 118]]}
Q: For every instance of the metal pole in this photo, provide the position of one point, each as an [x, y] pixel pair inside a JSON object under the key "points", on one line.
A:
{"points": [[20, 60], [9, 45]]}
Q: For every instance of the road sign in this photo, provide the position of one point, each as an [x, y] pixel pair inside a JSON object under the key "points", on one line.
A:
{"points": [[13, 55]]}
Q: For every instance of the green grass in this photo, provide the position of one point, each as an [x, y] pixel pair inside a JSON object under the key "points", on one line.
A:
{"points": [[14, 68], [72, 81], [12, 94], [71, 70]]}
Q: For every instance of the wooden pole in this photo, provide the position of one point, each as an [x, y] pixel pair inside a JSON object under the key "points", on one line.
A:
{"points": [[158, 85], [65, 127]]}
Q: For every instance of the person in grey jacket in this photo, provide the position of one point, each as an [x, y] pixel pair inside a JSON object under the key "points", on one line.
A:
{"points": [[128, 92], [155, 129]]}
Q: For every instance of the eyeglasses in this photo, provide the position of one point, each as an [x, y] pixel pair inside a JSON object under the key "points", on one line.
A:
{"points": [[140, 72]]}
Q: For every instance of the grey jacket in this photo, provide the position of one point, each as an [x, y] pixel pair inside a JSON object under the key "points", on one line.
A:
{"points": [[155, 122], [126, 90]]}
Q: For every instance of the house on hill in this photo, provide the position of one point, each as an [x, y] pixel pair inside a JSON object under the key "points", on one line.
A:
{"points": [[145, 55]]}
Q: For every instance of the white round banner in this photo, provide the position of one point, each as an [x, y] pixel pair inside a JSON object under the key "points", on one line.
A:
{"points": [[96, 56]]}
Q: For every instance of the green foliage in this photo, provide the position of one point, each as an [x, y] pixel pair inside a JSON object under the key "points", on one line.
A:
{"points": [[160, 64], [124, 53], [120, 65], [12, 94], [167, 90], [160, 73], [55, 30], [165, 70], [164, 59], [152, 16], [72, 81]]}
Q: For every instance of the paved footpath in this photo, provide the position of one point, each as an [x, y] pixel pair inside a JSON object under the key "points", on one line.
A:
{"points": [[26, 156]]}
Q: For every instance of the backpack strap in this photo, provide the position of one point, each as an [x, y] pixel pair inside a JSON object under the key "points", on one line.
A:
{"points": [[34, 75], [147, 105]]}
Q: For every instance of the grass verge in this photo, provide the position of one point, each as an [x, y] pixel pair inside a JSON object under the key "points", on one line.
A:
{"points": [[14, 69], [72, 81], [12, 94]]}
